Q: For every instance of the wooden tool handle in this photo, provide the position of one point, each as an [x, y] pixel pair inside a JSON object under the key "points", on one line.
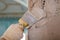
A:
{"points": [[14, 32]]}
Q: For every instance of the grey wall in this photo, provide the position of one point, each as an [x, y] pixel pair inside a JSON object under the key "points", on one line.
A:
{"points": [[11, 6], [10, 12]]}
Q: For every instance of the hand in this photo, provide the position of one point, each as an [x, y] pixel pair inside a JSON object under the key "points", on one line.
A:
{"points": [[14, 32]]}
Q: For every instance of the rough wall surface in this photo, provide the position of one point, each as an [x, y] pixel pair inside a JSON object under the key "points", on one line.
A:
{"points": [[47, 28]]}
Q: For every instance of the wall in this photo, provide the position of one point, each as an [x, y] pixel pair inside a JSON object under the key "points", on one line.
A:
{"points": [[10, 12]]}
